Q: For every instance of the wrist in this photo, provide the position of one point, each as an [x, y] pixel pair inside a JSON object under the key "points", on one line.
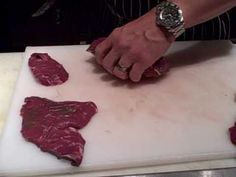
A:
{"points": [[168, 35], [157, 33]]}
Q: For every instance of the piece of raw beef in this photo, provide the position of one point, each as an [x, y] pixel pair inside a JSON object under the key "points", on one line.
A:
{"points": [[47, 70], [232, 132], [54, 126]]}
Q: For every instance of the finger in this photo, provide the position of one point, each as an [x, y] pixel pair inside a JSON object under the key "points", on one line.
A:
{"points": [[122, 74], [136, 72], [110, 60], [102, 50], [124, 62]]}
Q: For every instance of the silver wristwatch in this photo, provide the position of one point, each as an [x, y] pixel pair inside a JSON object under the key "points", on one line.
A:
{"points": [[169, 16]]}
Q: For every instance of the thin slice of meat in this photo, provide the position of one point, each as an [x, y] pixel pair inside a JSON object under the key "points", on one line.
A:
{"points": [[46, 70], [53, 126], [64, 144], [159, 68]]}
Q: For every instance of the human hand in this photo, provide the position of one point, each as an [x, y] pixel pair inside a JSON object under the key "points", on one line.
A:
{"points": [[159, 68], [129, 50]]}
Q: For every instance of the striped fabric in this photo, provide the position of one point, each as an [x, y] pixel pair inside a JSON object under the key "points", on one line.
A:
{"points": [[114, 13]]}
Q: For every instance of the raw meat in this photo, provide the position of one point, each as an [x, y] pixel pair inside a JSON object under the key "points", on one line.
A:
{"points": [[159, 68], [232, 132], [94, 44], [46, 70], [53, 126]]}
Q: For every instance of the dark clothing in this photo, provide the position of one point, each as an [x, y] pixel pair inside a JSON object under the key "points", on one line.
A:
{"points": [[113, 13], [42, 22], [68, 22]]}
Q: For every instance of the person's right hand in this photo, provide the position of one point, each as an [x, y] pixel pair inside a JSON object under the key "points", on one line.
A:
{"points": [[129, 50]]}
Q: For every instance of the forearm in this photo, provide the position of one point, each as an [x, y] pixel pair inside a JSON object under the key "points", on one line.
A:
{"points": [[199, 11]]}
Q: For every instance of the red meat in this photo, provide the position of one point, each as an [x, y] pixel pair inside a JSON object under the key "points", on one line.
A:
{"points": [[232, 132], [46, 70], [53, 126]]}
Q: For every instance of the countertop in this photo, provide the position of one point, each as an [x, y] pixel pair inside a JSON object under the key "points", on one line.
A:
{"points": [[10, 64]]}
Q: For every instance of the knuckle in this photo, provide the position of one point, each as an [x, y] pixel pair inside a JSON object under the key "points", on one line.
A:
{"points": [[121, 43], [119, 38], [116, 32]]}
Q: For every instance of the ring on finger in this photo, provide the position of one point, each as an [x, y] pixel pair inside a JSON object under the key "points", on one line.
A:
{"points": [[122, 68]]}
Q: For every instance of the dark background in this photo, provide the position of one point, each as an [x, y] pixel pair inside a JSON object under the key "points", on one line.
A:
{"points": [[66, 22]]}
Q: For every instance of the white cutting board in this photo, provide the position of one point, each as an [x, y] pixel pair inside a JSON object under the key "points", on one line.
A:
{"points": [[182, 117]]}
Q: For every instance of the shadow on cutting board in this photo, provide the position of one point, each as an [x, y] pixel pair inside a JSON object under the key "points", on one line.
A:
{"points": [[198, 53]]}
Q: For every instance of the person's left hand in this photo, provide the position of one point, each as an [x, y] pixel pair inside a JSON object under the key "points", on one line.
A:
{"points": [[129, 50]]}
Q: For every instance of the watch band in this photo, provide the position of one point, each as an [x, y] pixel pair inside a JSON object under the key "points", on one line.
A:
{"points": [[177, 31]]}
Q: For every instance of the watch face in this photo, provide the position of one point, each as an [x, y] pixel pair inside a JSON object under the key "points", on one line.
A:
{"points": [[170, 17]]}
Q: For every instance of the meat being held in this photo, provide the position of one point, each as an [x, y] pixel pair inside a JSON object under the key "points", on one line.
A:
{"points": [[159, 68]]}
